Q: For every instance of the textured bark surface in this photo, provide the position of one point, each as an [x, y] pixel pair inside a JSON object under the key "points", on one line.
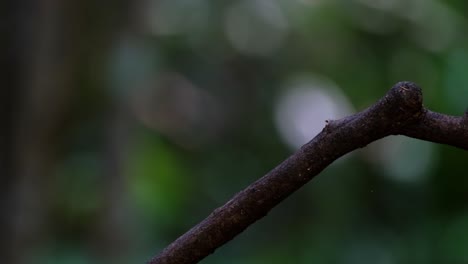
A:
{"points": [[399, 112]]}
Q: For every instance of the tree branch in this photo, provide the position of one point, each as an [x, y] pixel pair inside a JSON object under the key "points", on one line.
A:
{"points": [[400, 111]]}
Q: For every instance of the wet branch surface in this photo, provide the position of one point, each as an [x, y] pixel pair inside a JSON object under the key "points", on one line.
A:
{"points": [[399, 112]]}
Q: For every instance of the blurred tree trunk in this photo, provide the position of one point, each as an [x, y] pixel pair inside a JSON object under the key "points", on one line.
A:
{"points": [[39, 94], [14, 48], [49, 48]]}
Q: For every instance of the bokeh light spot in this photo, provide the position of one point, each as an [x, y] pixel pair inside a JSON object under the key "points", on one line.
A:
{"points": [[403, 159], [255, 27], [304, 107]]}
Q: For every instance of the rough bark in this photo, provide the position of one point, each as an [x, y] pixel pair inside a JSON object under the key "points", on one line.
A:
{"points": [[399, 112]]}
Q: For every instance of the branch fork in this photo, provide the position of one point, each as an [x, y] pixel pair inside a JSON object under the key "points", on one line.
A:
{"points": [[399, 112]]}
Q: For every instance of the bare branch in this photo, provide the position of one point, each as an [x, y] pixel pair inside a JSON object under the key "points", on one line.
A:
{"points": [[439, 128], [400, 111]]}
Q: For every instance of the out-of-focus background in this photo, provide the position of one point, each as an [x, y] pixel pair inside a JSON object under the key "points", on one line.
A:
{"points": [[124, 123]]}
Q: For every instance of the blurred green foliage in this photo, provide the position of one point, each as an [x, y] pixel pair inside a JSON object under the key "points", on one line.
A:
{"points": [[179, 108]]}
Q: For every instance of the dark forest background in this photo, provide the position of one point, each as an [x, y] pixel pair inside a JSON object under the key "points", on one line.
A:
{"points": [[124, 123]]}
